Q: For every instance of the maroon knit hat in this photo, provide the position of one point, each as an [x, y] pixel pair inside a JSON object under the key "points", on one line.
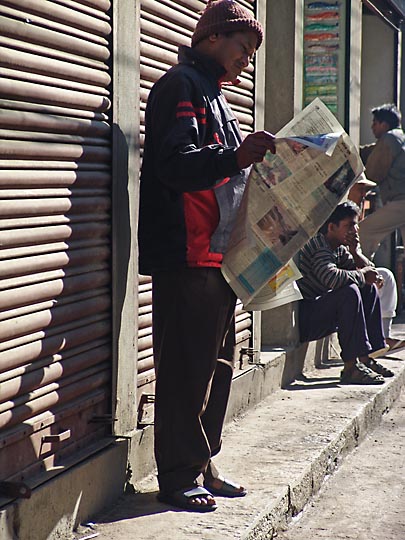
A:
{"points": [[222, 16]]}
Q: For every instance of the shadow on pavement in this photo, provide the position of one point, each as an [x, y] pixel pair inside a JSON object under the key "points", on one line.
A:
{"points": [[135, 505], [314, 386], [312, 383]]}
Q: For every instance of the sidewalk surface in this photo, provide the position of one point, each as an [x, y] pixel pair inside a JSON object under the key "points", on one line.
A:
{"points": [[281, 451], [365, 498]]}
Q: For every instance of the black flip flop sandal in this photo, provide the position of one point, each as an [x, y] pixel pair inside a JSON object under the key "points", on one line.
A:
{"points": [[183, 499], [227, 488]]}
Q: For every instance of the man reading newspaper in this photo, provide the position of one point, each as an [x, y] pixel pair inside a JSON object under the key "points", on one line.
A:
{"points": [[193, 177], [340, 294]]}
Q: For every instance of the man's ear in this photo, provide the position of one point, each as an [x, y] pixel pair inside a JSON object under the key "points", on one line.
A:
{"points": [[331, 227], [213, 37], [386, 125]]}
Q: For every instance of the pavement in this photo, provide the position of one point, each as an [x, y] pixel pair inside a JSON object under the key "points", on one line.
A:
{"points": [[365, 498], [282, 451]]}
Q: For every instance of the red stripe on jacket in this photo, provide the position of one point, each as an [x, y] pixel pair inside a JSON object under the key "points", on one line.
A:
{"points": [[185, 104], [179, 114], [190, 111]]}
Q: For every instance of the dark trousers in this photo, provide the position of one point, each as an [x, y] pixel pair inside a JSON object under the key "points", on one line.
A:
{"points": [[353, 312], [193, 326]]}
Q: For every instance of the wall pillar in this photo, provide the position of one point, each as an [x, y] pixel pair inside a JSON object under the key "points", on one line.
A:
{"points": [[125, 137], [284, 76]]}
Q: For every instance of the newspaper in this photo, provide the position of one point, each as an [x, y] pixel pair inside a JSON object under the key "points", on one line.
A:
{"points": [[288, 197]]}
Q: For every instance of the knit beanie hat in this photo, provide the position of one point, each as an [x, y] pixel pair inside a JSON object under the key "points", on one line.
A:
{"points": [[222, 16]]}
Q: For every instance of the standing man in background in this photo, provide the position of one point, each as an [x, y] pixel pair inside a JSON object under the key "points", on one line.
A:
{"points": [[194, 172], [385, 164], [387, 288]]}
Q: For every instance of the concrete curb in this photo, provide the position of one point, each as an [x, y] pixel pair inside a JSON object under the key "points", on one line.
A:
{"points": [[297, 494]]}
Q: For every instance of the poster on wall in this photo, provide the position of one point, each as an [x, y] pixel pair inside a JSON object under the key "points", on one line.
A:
{"points": [[324, 54]]}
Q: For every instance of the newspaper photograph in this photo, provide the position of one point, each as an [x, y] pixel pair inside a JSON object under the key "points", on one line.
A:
{"points": [[288, 197], [280, 290]]}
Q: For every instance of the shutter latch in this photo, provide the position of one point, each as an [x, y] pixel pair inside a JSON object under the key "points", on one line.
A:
{"points": [[59, 437], [252, 354], [146, 410]]}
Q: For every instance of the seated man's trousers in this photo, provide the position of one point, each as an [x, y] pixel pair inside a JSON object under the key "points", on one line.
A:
{"points": [[353, 312]]}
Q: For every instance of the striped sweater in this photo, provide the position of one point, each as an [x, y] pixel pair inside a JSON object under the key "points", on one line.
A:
{"points": [[324, 269]]}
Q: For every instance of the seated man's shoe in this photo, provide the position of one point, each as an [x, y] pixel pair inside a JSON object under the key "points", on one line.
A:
{"points": [[378, 368], [360, 374]]}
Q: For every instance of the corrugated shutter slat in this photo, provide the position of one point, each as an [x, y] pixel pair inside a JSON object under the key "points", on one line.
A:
{"points": [[52, 12]]}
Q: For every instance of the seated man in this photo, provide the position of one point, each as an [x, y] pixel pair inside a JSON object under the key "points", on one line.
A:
{"points": [[340, 295]]}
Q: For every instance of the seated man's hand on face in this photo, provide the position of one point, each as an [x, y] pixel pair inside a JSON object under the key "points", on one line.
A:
{"points": [[353, 241]]}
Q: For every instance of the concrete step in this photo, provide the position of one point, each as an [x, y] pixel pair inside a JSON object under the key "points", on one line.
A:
{"points": [[281, 451]]}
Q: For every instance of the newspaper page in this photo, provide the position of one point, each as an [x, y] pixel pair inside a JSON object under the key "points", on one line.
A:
{"points": [[288, 197], [280, 290]]}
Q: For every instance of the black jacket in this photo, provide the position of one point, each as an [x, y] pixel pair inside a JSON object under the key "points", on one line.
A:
{"points": [[191, 186]]}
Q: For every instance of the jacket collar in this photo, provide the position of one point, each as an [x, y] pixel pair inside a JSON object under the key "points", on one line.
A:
{"points": [[202, 62]]}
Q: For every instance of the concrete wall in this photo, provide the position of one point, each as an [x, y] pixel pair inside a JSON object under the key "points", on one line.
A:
{"points": [[401, 85], [284, 62], [377, 71], [378, 86]]}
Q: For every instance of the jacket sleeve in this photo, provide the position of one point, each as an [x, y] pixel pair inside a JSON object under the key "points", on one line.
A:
{"points": [[330, 275], [185, 159], [380, 160], [365, 151]]}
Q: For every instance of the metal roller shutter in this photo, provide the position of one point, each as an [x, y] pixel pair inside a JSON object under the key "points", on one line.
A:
{"points": [[164, 26], [55, 198]]}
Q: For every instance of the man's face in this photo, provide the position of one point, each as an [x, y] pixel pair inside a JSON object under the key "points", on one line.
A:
{"points": [[358, 193], [234, 51], [339, 234], [379, 128]]}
